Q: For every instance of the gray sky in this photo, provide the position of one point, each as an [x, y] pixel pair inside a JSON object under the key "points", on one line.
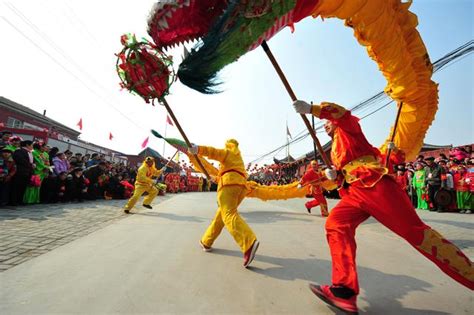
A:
{"points": [[59, 56]]}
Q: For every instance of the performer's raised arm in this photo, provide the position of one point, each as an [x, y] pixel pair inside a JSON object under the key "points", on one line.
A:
{"points": [[210, 152]]}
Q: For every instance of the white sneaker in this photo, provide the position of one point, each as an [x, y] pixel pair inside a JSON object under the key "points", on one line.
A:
{"points": [[205, 248]]}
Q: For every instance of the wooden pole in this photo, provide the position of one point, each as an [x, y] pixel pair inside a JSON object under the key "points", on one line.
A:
{"points": [[392, 138], [293, 98], [314, 145], [167, 163], [181, 131]]}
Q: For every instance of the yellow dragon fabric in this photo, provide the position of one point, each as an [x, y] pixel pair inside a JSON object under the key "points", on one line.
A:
{"points": [[255, 190], [388, 31]]}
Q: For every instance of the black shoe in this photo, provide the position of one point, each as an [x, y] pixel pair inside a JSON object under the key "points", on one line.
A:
{"points": [[148, 206], [126, 211], [308, 209]]}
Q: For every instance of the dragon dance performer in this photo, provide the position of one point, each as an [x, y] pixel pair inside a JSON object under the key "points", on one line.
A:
{"points": [[313, 177], [144, 183], [371, 193], [231, 190]]}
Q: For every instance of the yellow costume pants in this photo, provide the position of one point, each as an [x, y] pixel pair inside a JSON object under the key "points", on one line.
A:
{"points": [[228, 199], [139, 190]]}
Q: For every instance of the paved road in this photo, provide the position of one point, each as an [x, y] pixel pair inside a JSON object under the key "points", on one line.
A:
{"points": [[30, 231], [150, 263]]}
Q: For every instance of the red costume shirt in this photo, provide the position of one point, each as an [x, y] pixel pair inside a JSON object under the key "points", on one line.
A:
{"points": [[349, 146], [314, 179]]}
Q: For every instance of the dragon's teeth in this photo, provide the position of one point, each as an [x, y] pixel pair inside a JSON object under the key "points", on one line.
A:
{"points": [[185, 52]]}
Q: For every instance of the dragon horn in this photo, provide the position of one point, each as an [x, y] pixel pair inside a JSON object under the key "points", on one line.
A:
{"points": [[156, 134]]}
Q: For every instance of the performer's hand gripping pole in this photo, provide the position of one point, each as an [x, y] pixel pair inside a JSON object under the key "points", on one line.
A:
{"points": [[392, 138], [181, 131], [293, 98]]}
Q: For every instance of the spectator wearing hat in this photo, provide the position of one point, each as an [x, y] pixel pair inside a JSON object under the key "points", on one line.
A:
{"points": [[5, 137], [419, 183], [76, 188], [433, 181], [24, 169], [7, 171], [77, 160], [459, 153], [14, 143], [144, 183]]}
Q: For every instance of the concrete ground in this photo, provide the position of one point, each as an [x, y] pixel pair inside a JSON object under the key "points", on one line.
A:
{"points": [[150, 263]]}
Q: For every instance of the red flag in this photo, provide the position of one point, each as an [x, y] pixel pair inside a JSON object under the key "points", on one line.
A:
{"points": [[168, 120], [145, 143], [110, 136], [79, 124]]}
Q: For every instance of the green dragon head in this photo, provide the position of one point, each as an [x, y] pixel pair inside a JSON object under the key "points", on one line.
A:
{"points": [[228, 30]]}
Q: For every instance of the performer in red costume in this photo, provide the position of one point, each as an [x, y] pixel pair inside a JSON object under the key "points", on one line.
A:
{"points": [[313, 177], [370, 193]]}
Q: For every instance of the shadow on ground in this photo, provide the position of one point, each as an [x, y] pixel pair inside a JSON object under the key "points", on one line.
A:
{"points": [[460, 224], [174, 217], [274, 216], [383, 291], [251, 217]]}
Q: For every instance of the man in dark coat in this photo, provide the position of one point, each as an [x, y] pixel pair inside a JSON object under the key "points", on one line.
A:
{"points": [[24, 169], [92, 174], [433, 181]]}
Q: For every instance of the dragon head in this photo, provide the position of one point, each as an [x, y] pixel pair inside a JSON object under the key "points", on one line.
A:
{"points": [[227, 29], [173, 22]]}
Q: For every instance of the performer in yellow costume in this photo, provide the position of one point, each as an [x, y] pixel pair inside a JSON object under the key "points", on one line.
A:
{"points": [[144, 183], [231, 190]]}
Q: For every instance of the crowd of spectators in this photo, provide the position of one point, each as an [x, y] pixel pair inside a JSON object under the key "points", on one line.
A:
{"points": [[436, 183], [440, 183], [276, 174], [32, 172]]}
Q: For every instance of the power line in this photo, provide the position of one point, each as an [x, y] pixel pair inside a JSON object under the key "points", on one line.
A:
{"points": [[447, 60], [58, 49]]}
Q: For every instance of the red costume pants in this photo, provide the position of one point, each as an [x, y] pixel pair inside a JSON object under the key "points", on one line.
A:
{"points": [[319, 200], [391, 206]]}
